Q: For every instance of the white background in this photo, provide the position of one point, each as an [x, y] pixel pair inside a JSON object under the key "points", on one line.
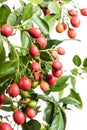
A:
{"points": [[76, 119]]}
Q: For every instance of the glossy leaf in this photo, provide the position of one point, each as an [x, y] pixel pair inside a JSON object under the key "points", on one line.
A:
{"points": [[45, 56], [77, 60], [76, 96], [52, 43], [48, 113], [74, 71], [54, 8], [58, 122], [51, 19], [5, 11], [8, 67], [36, 1], [28, 11], [69, 100], [85, 62], [41, 24], [7, 108], [2, 51], [31, 125]]}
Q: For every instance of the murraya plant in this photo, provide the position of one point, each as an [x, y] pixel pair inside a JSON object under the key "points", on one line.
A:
{"points": [[32, 73]]}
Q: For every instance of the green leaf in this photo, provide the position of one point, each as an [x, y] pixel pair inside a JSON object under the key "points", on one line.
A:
{"points": [[36, 1], [28, 11], [85, 62], [8, 67], [44, 97], [41, 24], [74, 71], [54, 8], [1, 1], [84, 69], [13, 19], [52, 43], [31, 125], [58, 122], [48, 113], [45, 56], [65, 1], [77, 60], [73, 81], [5, 11], [69, 100], [75, 95], [51, 19], [7, 108], [2, 51], [61, 84]]}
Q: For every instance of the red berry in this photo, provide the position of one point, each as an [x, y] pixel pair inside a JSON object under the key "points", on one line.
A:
{"points": [[34, 32], [46, 11], [44, 86], [72, 33], [65, 25], [72, 12], [25, 83], [42, 41], [75, 21], [56, 65], [5, 126], [6, 30], [19, 117], [31, 113], [2, 99], [57, 74], [60, 50], [34, 51], [35, 67], [51, 79], [13, 90], [83, 11]]}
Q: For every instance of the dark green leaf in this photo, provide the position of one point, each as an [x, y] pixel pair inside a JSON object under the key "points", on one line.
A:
{"points": [[2, 51], [48, 113], [54, 8], [31, 125], [45, 56], [51, 19], [77, 60], [58, 122], [73, 94], [36, 1], [74, 71], [4, 13], [84, 69], [1, 1], [8, 67], [56, 87], [64, 118], [52, 43], [69, 100], [28, 11], [7, 108], [41, 24], [85, 62], [44, 97]]}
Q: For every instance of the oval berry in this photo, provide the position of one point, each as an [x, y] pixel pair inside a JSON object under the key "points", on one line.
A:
{"points": [[83, 11], [31, 113], [72, 33], [34, 51], [2, 98], [60, 27], [5, 126], [44, 86], [75, 21], [34, 32], [60, 50], [13, 90], [56, 65], [51, 79], [19, 117], [35, 67], [25, 83], [42, 41], [73, 12], [6, 30]]}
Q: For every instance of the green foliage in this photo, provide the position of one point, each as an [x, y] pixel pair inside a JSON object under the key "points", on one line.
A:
{"points": [[2, 51], [77, 60]]}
